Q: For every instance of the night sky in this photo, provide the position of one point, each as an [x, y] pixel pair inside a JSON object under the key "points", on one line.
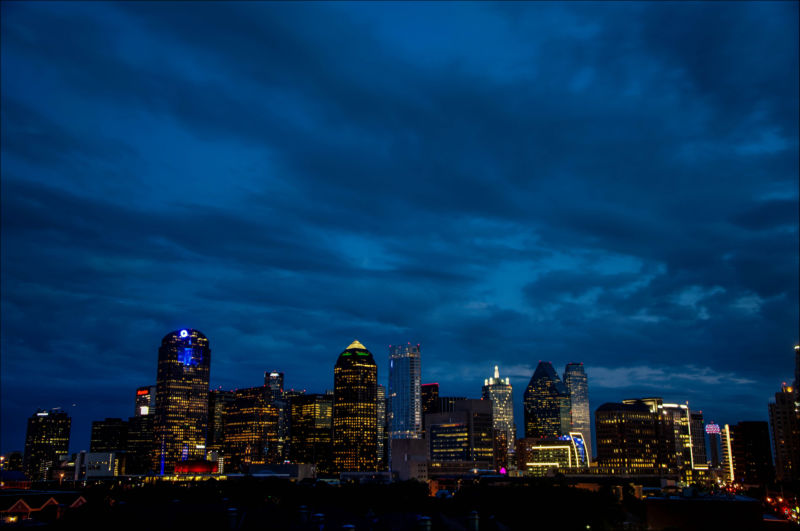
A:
{"points": [[615, 184]]}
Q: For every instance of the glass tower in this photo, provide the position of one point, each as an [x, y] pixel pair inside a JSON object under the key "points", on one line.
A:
{"points": [[498, 390], [184, 362], [46, 439], [405, 399], [547, 411], [355, 411], [578, 389]]}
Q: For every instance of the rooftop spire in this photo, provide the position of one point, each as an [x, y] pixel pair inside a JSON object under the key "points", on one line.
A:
{"points": [[356, 344], [496, 372]]}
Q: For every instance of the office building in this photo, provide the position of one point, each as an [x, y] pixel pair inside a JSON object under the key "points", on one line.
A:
{"points": [[540, 456], [678, 417], [47, 438], [747, 458], [713, 431], [783, 420], [631, 437], [410, 459], [383, 428], [311, 429], [218, 402], [181, 421], [355, 411], [250, 430], [463, 439], [405, 392], [145, 401], [109, 435], [698, 435], [547, 405], [140, 446], [274, 380], [499, 392], [429, 394], [577, 385]]}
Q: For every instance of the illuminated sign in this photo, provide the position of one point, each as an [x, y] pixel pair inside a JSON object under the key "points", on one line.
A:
{"points": [[712, 429], [184, 333], [142, 392], [187, 357]]}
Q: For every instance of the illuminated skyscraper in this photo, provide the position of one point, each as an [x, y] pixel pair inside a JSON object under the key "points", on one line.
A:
{"points": [[181, 421], [405, 399], [462, 439], [355, 411], [145, 401], [631, 436], [698, 433], [383, 431], [713, 431], [547, 409], [250, 429], [274, 380], [578, 388], [783, 420], [46, 439], [499, 392], [312, 424]]}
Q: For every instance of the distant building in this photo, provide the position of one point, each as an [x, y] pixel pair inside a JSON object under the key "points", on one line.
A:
{"points": [[783, 419], [499, 392], [747, 455], [405, 392], [462, 439], [540, 456], [382, 428], [547, 404], [250, 431], [699, 455], [140, 446], [181, 421], [676, 416], [713, 431], [578, 388], [430, 398], [447, 404], [631, 437], [410, 459], [218, 402], [47, 438], [95, 465], [274, 380], [109, 435], [145, 401], [312, 426], [355, 410]]}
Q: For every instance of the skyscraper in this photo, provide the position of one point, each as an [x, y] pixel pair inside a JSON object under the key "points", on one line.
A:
{"points": [[274, 380], [499, 392], [547, 407], [578, 388], [145, 401], [698, 434], [109, 435], [748, 454], [462, 439], [405, 399], [382, 426], [355, 411], [47, 438], [430, 398], [783, 420], [312, 423], [250, 429], [713, 430], [184, 362]]}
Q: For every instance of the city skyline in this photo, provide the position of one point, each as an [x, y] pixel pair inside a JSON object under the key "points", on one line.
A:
{"points": [[500, 183]]}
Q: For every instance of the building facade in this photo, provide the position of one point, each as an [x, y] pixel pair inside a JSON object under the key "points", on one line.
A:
{"points": [[47, 438], [355, 410], [698, 435], [499, 392], [631, 437], [747, 458], [547, 405], [405, 392], [250, 430], [312, 426], [181, 421], [541, 456], [577, 385], [383, 428], [462, 439], [145, 401], [783, 420], [109, 435]]}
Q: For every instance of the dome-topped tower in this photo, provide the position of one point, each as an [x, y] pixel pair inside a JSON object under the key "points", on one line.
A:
{"points": [[355, 415]]}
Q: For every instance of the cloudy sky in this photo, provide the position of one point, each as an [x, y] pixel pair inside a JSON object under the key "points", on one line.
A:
{"points": [[503, 183]]}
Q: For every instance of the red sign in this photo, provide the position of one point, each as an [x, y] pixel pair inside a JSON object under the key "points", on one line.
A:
{"points": [[142, 392]]}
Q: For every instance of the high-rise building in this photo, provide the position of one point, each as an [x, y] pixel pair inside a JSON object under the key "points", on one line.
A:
{"points": [[547, 406], [145, 401], [678, 417], [139, 450], [747, 458], [499, 392], [47, 438], [274, 380], [541, 455], [447, 404], [430, 398], [462, 439], [405, 392], [109, 435], [783, 420], [383, 428], [312, 425], [713, 431], [355, 410], [631, 436], [250, 429], [578, 388], [218, 402], [796, 384], [698, 433], [184, 362]]}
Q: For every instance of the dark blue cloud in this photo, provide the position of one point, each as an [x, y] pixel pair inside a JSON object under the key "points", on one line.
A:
{"points": [[502, 183]]}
